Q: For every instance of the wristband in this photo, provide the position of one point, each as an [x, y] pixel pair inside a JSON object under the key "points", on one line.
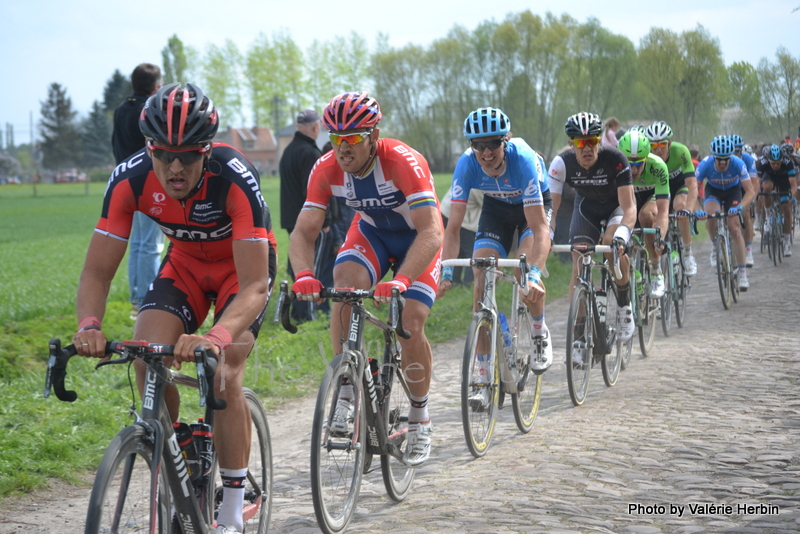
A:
{"points": [[534, 275], [447, 274], [219, 336], [90, 322], [403, 279], [623, 232], [304, 274]]}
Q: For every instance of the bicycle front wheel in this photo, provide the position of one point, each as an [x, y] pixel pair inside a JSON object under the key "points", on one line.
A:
{"points": [[669, 293], [397, 476], [648, 310], [122, 490], [579, 345], [337, 454], [611, 364], [525, 402], [479, 401], [723, 271], [258, 484], [681, 289]]}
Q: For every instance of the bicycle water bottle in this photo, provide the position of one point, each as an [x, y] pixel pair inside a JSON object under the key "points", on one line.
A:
{"points": [[676, 259], [204, 444], [601, 297], [183, 433], [638, 281], [504, 328]]}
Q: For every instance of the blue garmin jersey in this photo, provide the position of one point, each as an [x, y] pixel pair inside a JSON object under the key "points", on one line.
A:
{"points": [[735, 174], [750, 163], [523, 181]]}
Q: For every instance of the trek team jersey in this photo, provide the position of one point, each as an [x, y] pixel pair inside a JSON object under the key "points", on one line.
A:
{"points": [[599, 183], [398, 182], [679, 162], [732, 177], [226, 205], [522, 182], [653, 179]]}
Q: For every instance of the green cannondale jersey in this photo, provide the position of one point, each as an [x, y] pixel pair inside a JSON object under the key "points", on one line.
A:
{"points": [[654, 178], [679, 162]]}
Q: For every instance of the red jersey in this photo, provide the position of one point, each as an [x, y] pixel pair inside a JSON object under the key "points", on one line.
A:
{"points": [[225, 205]]}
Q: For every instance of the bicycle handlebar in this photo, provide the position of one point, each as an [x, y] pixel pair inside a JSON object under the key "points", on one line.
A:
{"points": [[396, 305], [131, 350], [491, 261], [586, 248]]}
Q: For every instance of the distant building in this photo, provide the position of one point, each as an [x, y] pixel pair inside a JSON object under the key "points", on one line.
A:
{"points": [[258, 144]]}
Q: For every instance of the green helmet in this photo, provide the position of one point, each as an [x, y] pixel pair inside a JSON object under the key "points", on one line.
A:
{"points": [[635, 145]]}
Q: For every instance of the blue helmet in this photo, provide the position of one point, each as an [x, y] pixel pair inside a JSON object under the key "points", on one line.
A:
{"points": [[775, 153], [737, 141], [486, 122], [722, 146]]}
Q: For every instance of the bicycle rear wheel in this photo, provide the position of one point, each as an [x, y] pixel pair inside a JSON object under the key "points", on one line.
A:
{"points": [[479, 416], [775, 240], [337, 458], [648, 308], [120, 499], [579, 344], [397, 476], [525, 403], [611, 364], [681, 290], [723, 271], [666, 301]]}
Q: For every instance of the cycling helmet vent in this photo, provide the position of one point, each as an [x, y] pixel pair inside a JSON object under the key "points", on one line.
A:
{"points": [[349, 111], [178, 115], [583, 124], [658, 131], [486, 122]]}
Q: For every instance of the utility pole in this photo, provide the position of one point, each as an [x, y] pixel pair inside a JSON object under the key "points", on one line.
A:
{"points": [[276, 110]]}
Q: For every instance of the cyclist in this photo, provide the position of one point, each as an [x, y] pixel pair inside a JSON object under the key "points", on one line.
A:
{"points": [[601, 177], [777, 173], [682, 186], [651, 190], [205, 196], [750, 163], [725, 172], [510, 175], [397, 227], [791, 153]]}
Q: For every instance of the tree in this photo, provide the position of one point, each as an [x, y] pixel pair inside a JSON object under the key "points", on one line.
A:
{"points": [[175, 62], [780, 89], [744, 93], [221, 75], [274, 72], [60, 139], [96, 138], [9, 166], [117, 89]]}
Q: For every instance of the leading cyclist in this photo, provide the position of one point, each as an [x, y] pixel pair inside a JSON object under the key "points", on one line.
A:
{"points": [[206, 198], [397, 228]]}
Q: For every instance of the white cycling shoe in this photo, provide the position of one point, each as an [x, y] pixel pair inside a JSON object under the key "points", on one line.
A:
{"points": [[542, 360]]}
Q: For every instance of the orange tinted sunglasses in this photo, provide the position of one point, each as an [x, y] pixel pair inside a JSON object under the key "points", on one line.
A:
{"points": [[659, 144], [580, 143]]}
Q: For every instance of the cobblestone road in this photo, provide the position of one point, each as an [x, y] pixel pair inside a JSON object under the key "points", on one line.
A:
{"points": [[703, 436]]}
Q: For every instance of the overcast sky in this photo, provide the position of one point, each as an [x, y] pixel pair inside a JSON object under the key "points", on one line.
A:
{"points": [[79, 44]]}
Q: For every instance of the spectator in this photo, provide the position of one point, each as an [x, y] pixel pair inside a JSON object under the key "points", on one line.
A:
{"points": [[609, 132], [146, 240], [295, 167]]}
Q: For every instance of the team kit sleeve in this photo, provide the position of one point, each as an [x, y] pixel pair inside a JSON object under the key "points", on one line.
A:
{"points": [[623, 168], [119, 204], [557, 175], [660, 174], [318, 193], [461, 183]]}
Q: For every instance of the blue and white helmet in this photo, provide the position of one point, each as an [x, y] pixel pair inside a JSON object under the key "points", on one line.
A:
{"points": [[486, 122], [721, 146]]}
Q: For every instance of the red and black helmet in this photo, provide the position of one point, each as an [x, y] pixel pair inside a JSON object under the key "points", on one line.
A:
{"points": [[179, 116], [349, 111]]}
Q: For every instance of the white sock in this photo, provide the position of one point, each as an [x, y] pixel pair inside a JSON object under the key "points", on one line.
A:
{"points": [[418, 413], [230, 511]]}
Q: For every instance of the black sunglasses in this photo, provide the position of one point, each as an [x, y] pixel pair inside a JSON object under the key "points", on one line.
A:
{"points": [[480, 146], [186, 157]]}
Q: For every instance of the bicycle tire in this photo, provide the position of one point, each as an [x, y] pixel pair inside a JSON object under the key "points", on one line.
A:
{"points": [[775, 240], [780, 239], [258, 504], [669, 292], [397, 476], [478, 420], [611, 363], [647, 309], [723, 271], [337, 462], [579, 336], [524, 403], [681, 289], [125, 472]]}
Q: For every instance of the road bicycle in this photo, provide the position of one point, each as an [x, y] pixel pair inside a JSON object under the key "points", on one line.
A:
{"points": [[727, 266], [675, 279], [144, 482], [506, 354], [644, 306], [772, 228], [377, 422], [591, 331]]}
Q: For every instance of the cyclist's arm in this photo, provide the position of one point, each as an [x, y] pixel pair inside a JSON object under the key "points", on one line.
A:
{"points": [[537, 222], [452, 234], [102, 260], [662, 217], [749, 192], [301, 242], [428, 222], [627, 202]]}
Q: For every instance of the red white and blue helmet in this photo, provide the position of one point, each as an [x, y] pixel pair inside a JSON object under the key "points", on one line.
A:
{"points": [[349, 111]]}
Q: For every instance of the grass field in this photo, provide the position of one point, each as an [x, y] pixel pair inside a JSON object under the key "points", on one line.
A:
{"points": [[42, 250]]}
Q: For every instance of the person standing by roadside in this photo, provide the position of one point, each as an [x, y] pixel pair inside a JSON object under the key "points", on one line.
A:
{"points": [[295, 167], [147, 240], [610, 128]]}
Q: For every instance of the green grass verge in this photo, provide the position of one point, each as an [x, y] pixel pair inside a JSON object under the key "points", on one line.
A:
{"points": [[41, 255]]}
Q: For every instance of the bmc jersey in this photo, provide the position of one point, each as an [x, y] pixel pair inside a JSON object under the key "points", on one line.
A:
{"points": [[679, 163], [522, 182], [225, 205], [398, 182], [600, 182], [733, 175]]}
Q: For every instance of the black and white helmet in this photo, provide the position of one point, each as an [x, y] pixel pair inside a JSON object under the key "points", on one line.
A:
{"points": [[583, 124], [658, 131]]}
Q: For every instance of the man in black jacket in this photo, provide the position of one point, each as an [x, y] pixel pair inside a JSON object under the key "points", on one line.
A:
{"points": [[295, 166], [146, 240]]}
